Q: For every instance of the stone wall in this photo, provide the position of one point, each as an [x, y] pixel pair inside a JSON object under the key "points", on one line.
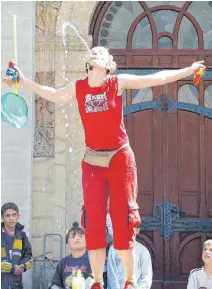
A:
{"points": [[59, 138], [17, 145]]}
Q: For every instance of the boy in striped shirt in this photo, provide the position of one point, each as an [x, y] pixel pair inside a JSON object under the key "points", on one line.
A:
{"points": [[16, 253]]}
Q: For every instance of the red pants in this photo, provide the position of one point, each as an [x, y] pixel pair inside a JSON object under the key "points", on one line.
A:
{"points": [[119, 183]]}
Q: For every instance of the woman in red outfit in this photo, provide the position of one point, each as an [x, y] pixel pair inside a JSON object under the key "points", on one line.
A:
{"points": [[108, 167]]}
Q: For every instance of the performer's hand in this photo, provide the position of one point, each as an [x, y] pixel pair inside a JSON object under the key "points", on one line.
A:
{"points": [[198, 66], [6, 79], [21, 77]]}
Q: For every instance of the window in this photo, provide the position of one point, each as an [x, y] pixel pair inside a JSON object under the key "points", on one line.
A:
{"points": [[202, 12], [187, 35], [208, 97], [165, 43], [142, 95], [122, 18], [116, 23], [165, 20], [159, 3], [142, 37], [188, 93]]}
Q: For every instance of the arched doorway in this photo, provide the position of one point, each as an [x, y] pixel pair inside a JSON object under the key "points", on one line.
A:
{"points": [[170, 127]]}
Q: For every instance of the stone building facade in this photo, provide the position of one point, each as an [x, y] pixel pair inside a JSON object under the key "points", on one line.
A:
{"points": [[53, 197], [59, 138]]}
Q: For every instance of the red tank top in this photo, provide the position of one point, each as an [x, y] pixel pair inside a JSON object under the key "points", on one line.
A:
{"points": [[101, 111]]}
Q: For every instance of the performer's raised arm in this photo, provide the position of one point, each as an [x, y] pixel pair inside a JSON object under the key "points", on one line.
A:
{"points": [[129, 81], [56, 95]]}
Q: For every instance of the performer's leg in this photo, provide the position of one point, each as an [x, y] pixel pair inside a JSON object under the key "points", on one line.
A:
{"points": [[123, 207], [128, 259], [95, 191], [97, 260]]}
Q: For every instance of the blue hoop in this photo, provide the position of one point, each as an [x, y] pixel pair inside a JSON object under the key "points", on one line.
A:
{"points": [[14, 110]]}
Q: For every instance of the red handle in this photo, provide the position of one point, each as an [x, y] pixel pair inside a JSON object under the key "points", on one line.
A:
{"points": [[198, 73]]}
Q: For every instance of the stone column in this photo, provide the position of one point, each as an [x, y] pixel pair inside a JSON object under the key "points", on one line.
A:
{"points": [[17, 145]]}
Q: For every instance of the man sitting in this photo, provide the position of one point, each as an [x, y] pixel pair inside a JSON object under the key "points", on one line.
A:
{"points": [[143, 268]]}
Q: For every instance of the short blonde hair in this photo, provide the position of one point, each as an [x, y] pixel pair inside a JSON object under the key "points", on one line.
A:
{"points": [[207, 242], [101, 56]]}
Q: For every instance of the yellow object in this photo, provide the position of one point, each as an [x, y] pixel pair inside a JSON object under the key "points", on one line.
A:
{"points": [[18, 244], [78, 282], [15, 47], [29, 265], [6, 266], [200, 72], [3, 252]]}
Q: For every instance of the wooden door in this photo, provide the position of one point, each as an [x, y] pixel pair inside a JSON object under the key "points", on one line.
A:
{"points": [[171, 131], [187, 185], [172, 144]]}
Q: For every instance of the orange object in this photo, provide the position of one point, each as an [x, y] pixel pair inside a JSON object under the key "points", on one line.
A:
{"points": [[11, 63], [198, 73]]}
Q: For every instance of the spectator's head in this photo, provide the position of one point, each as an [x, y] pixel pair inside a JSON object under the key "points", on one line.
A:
{"points": [[10, 215], [207, 252], [75, 238]]}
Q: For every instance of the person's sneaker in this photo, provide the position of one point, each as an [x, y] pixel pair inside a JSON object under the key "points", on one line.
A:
{"points": [[97, 285], [130, 285]]}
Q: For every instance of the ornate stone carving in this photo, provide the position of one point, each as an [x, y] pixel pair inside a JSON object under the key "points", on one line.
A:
{"points": [[46, 19], [45, 119]]}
